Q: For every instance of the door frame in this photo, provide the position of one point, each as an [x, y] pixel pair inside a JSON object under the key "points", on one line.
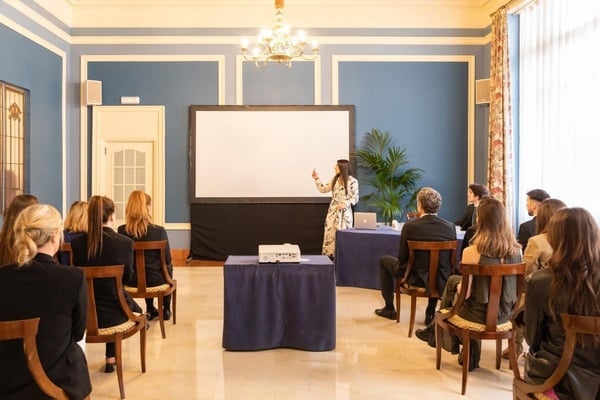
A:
{"points": [[151, 120]]}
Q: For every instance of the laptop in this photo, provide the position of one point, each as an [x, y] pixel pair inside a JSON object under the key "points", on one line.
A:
{"points": [[365, 220]]}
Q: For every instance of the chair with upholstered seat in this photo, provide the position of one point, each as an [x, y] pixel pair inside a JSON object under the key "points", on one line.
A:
{"points": [[450, 321], [160, 291], [402, 287], [26, 329], [113, 334], [574, 325]]}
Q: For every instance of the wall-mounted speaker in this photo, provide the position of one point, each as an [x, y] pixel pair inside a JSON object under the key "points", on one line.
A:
{"points": [[482, 91], [92, 93]]}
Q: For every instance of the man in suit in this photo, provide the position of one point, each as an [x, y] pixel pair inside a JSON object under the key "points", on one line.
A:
{"points": [[528, 229], [428, 227], [475, 193]]}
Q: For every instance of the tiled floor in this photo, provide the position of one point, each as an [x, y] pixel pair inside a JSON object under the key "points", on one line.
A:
{"points": [[373, 359]]}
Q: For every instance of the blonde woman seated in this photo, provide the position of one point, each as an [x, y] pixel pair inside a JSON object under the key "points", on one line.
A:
{"points": [[37, 286], [75, 226], [139, 227], [538, 250]]}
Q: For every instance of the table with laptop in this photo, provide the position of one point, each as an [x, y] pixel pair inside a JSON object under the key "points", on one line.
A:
{"points": [[358, 250], [271, 305]]}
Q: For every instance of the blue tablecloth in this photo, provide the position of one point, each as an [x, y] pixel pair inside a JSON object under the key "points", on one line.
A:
{"points": [[279, 305], [357, 253]]}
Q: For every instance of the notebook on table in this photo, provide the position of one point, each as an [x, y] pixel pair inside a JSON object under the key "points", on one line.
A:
{"points": [[365, 220]]}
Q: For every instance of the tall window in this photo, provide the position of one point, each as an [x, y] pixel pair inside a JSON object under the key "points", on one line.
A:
{"points": [[559, 87], [12, 143]]}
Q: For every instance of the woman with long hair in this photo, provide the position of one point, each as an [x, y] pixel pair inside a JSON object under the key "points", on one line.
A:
{"points": [[37, 286], [570, 285], [493, 243], [344, 194], [102, 246], [538, 250], [139, 227], [7, 235]]}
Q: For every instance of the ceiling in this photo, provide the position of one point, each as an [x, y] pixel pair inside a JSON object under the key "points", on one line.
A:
{"points": [[255, 13]]}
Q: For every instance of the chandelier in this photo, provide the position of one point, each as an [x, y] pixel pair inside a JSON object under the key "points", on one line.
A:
{"points": [[278, 44]]}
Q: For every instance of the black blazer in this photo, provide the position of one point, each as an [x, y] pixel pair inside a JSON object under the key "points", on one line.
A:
{"points": [[466, 220], [154, 276], [526, 230], [116, 249], [58, 295], [427, 228]]}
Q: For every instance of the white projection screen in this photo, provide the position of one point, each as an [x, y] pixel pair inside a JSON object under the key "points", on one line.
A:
{"points": [[255, 154]]}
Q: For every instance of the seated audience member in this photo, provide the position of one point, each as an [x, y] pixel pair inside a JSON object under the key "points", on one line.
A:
{"points": [[139, 227], [494, 243], [428, 227], [102, 246], [570, 285], [37, 286], [7, 235], [528, 229], [537, 253], [75, 226], [475, 193]]}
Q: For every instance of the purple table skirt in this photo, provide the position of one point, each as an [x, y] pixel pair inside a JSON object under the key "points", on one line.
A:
{"points": [[279, 305]]}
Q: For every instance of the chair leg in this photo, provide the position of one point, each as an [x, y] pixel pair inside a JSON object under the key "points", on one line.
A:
{"points": [[398, 305], [438, 346], [174, 305], [143, 345], [498, 353], [161, 315], [119, 361], [466, 358], [413, 310]]}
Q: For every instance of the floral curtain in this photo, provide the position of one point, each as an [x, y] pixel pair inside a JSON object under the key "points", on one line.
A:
{"points": [[500, 142]]}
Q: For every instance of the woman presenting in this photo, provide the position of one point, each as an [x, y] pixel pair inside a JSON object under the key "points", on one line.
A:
{"points": [[344, 194]]}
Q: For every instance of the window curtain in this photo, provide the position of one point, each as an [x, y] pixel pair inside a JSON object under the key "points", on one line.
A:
{"points": [[500, 142], [559, 135]]}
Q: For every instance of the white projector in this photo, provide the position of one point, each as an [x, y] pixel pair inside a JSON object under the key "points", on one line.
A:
{"points": [[278, 253]]}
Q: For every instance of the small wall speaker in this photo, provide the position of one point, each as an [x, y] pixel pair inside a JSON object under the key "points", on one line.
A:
{"points": [[482, 91], [92, 93]]}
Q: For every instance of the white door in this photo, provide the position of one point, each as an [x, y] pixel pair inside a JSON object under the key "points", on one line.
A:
{"points": [[128, 154]]}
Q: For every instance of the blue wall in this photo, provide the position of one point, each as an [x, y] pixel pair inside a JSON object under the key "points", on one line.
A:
{"points": [[34, 68], [153, 82], [423, 104]]}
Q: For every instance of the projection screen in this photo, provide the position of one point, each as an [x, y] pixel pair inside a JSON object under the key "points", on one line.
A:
{"points": [[255, 154]]}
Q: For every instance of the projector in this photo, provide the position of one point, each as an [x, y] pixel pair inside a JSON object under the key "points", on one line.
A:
{"points": [[278, 253]]}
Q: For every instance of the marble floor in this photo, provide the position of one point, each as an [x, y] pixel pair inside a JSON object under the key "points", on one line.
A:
{"points": [[373, 359]]}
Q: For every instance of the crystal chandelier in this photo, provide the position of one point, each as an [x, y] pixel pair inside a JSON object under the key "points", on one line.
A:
{"points": [[278, 44]]}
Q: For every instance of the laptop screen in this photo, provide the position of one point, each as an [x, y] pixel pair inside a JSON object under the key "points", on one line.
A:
{"points": [[365, 220]]}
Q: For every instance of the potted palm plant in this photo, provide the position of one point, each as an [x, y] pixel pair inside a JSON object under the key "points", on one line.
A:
{"points": [[394, 187]]}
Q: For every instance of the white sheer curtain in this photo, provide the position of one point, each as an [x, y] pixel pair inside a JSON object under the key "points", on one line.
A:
{"points": [[559, 132]]}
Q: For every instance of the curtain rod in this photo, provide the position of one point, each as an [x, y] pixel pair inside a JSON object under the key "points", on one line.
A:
{"points": [[514, 6]]}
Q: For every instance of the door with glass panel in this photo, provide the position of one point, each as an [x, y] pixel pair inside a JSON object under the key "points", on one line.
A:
{"points": [[128, 155]]}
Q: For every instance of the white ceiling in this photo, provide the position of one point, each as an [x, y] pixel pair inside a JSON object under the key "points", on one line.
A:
{"points": [[255, 13]]}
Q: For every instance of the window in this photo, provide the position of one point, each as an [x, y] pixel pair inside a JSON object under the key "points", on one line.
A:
{"points": [[12, 143], [559, 86]]}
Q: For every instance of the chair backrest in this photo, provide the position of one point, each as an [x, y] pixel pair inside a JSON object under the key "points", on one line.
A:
{"points": [[26, 329], [109, 271], [66, 248], [140, 247], [496, 273], [434, 249]]}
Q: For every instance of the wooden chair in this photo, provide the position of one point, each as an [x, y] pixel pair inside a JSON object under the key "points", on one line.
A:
{"points": [[574, 325], [113, 334], [450, 321], [143, 291], [402, 287], [27, 329], [66, 248]]}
